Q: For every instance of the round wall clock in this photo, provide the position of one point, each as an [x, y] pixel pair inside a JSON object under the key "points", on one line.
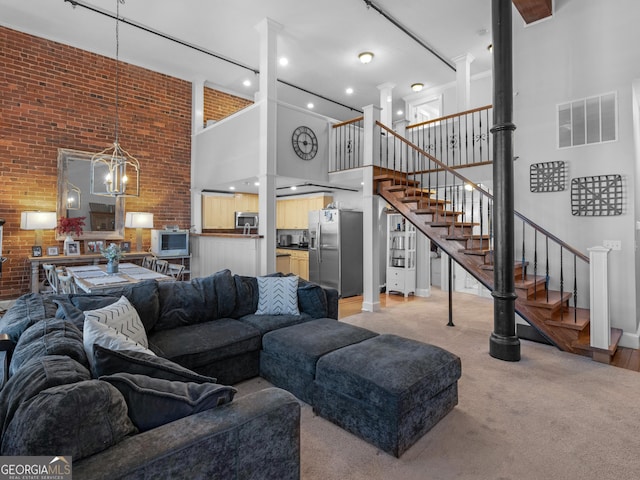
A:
{"points": [[305, 143]]}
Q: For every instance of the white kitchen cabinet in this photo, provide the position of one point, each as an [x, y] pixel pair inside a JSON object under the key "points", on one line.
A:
{"points": [[401, 255]]}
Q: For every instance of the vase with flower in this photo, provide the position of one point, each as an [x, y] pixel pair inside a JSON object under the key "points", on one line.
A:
{"points": [[113, 254], [67, 226]]}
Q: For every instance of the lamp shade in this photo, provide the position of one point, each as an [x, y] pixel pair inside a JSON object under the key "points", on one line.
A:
{"points": [[138, 220], [38, 220]]}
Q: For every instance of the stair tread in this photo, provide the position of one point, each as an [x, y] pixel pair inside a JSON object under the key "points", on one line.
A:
{"points": [[476, 251], [573, 318], [529, 281], [517, 264], [467, 237], [445, 223], [551, 299], [584, 342]]}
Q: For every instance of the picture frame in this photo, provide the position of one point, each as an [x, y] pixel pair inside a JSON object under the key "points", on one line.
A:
{"points": [[90, 247], [53, 251], [125, 247], [73, 248], [36, 251], [99, 245]]}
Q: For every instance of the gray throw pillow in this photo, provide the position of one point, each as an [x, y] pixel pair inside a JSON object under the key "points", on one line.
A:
{"points": [[109, 362], [312, 299], [278, 296], [79, 419], [52, 336], [153, 401]]}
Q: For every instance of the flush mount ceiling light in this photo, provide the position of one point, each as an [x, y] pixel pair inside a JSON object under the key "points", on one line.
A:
{"points": [[114, 172], [284, 61], [416, 87], [365, 57]]}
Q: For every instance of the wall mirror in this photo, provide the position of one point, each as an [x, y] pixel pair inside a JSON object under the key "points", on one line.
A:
{"points": [[104, 216]]}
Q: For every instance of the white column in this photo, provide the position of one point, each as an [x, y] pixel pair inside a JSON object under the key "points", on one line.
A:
{"points": [[370, 208], [268, 30], [386, 103], [599, 298], [463, 80], [197, 125]]}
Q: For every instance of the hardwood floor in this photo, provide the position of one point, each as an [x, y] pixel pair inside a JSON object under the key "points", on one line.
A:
{"points": [[627, 358]]}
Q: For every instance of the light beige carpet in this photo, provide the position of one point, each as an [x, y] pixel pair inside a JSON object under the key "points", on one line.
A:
{"points": [[552, 415]]}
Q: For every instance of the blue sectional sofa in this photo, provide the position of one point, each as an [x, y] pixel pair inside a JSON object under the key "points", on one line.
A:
{"points": [[162, 408]]}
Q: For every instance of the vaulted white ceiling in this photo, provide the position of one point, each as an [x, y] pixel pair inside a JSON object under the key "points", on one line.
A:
{"points": [[321, 40]]}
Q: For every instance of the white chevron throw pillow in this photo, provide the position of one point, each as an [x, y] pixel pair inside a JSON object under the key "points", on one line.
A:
{"points": [[122, 317], [277, 296]]}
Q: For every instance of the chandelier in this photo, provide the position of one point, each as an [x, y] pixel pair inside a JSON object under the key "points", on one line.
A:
{"points": [[114, 172]]}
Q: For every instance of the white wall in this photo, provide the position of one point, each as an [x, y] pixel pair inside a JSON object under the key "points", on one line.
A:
{"points": [[586, 49], [227, 151], [289, 164]]}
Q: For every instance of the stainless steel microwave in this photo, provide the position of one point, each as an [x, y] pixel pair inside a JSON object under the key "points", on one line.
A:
{"points": [[246, 218]]}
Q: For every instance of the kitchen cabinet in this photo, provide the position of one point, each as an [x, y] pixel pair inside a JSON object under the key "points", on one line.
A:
{"points": [[218, 211], [246, 202], [401, 255], [298, 262], [293, 214]]}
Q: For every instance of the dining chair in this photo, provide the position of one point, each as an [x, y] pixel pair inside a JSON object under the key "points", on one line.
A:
{"points": [[149, 262], [176, 271], [162, 266], [51, 275], [66, 283]]}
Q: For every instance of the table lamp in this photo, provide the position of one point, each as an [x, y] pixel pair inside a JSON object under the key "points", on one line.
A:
{"points": [[38, 221], [138, 220]]}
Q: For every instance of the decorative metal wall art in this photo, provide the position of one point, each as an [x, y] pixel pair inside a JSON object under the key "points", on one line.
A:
{"points": [[548, 176], [596, 196]]}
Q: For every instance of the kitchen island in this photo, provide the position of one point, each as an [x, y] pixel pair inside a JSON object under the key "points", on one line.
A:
{"points": [[212, 252]]}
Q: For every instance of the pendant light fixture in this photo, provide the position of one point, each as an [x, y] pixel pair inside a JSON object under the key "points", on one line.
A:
{"points": [[114, 172]]}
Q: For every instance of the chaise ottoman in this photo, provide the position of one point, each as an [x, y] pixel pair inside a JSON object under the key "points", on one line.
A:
{"points": [[289, 355], [388, 390]]}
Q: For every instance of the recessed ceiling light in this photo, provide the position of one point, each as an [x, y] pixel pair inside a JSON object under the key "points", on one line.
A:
{"points": [[365, 57], [247, 83], [416, 87], [232, 187], [349, 91], [293, 187], [284, 61], [310, 105], [257, 184], [400, 112]]}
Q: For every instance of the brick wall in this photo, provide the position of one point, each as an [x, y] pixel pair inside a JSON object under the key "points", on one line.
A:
{"points": [[54, 96], [218, 105]]}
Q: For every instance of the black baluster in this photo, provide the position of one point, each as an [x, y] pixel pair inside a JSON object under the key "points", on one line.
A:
{"points": [[561, 284], [546, 278], [523, 251], [575, 291], [535, 264]]}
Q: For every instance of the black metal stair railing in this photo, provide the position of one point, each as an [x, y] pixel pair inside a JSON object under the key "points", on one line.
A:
{"points": [[464, 208], [458, 140]]}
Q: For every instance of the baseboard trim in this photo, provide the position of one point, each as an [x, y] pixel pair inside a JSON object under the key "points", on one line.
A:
{"points": [[630, 340]]}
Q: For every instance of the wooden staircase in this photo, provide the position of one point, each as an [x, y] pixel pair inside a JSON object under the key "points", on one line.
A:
{"points": [[548, 311]]}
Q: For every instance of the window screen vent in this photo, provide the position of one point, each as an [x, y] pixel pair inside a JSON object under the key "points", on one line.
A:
{"points": [[587, 121]]}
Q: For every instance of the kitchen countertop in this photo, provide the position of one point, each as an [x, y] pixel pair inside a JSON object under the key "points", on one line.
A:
{"points": [[293, 247], [227, 235]]}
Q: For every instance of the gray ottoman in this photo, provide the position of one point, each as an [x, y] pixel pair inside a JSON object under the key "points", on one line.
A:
{"points": [[387, 390], [289, 355]]}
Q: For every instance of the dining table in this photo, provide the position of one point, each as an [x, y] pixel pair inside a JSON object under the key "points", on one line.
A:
{"points": [[94, 278]]}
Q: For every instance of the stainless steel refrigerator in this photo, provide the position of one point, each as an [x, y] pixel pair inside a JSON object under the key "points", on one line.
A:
{"points": [[335, 250]]}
